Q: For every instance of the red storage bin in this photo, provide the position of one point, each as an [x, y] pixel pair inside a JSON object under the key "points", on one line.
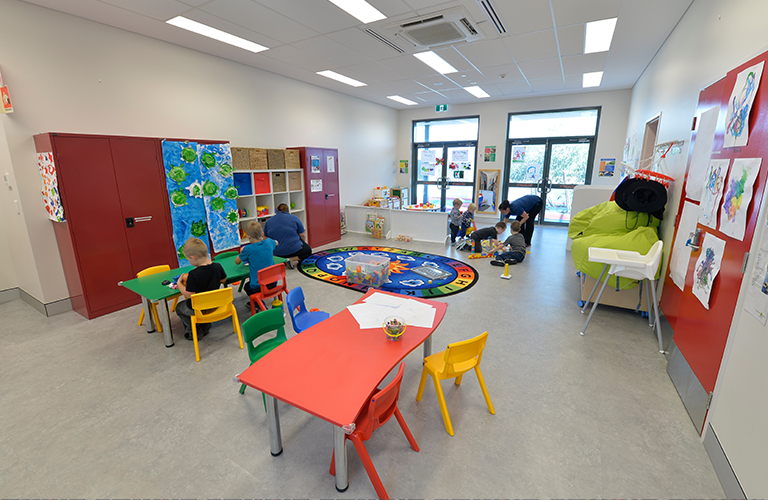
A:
{"points": [[261, 183]]}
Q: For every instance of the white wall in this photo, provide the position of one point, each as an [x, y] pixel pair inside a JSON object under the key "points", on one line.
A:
{"points": [[713, 37], [8, 278], [493, 124], [68, 74]]}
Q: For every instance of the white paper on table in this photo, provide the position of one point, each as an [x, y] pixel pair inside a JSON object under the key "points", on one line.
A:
{"points": [[707, 267], [713, 192], [740, 105], [379, 306], [738, 196], [369, 315], [756, 300], [681, 253], [702, 152]]}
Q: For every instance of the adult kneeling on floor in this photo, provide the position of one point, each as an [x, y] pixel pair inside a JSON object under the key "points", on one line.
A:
{"points": [[290, 235]]}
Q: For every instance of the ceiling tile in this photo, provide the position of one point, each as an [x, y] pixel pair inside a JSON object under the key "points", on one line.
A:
{"points": [[320, 16], [510, 71], [584, 63], [408, 86], [331, 50], [438, 83], [408, 66], [374, 71], [391, 8], [547, 84], [161, 10], [513, 88], [573, 81], [532, 46], [524, 16], [431, 97], [194, 3], [260, 19], [571, 39], [484, 53], [454, 58], [570, 12], [545, 68], [467, 78], [234, 29], [359, 40], [296, 57]]}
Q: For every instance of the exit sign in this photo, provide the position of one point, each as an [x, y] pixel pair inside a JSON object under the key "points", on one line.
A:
{"points": [[440, 108]]}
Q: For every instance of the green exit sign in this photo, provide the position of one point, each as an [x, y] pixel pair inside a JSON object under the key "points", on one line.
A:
{"points": [[440, 108]]}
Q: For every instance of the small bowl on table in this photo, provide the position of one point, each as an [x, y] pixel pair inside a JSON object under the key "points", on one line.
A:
{"points": [[394, 327]]}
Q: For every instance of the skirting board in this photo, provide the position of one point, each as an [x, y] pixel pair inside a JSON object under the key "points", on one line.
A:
{"points": [[9, 295], [693, 394], [722, 466], [50, 309]]}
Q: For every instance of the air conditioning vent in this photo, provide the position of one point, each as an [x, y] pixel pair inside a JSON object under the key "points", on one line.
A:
{"points": [[492, 15], [450, 26], [384, 41]]}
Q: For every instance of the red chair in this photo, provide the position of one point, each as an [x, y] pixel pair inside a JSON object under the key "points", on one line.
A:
{"points": [[268, 275], [380, 408]]}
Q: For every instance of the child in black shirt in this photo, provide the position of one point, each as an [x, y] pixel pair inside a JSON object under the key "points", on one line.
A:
{"points": [[206, 276]]}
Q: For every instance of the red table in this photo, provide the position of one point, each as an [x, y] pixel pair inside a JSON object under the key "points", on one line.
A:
{"points": [[330, 370]]}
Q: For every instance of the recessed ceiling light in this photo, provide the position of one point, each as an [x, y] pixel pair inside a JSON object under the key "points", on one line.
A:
{"points": [[435, 62], [477, 92], [341, 78], [598, 35], [402, 100], [222, 36], [592, 79], [360, 9], [463, 76], [438, 83]]}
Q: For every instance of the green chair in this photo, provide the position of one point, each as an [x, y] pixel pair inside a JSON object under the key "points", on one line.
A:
{"points": [[256, 326]]}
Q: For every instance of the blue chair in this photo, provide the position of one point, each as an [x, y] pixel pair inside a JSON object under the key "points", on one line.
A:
{"points": [[302, 319]]}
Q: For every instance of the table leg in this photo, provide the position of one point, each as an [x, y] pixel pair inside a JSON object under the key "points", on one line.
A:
{"points": [[167, 333], [340, 457], [275, 439], [428, 346], [148, 317]]}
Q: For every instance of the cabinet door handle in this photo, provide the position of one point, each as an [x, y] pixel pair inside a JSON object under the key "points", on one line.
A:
{"points": [[129, 222]]}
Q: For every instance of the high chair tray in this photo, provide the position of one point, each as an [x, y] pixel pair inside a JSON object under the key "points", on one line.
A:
{"points": [[611, 256]]}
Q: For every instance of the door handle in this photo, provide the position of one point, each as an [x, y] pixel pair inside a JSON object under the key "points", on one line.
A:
{"points": [[130, 222], [538, 185], [549, 185], [326, 196]]}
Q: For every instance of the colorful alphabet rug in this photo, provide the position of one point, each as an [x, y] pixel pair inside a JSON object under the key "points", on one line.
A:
{"points": [[411, 273]]}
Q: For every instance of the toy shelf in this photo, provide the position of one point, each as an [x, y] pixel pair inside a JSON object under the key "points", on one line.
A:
{"points": [[261, 191]]}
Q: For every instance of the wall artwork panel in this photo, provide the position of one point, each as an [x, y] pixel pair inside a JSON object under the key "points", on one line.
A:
{"points": [[219, 195], [707, 267], [740, 105], [738, 196]]}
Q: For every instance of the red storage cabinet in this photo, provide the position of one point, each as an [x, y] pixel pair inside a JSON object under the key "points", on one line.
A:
{"points": [[321, 165], [117, 215]]}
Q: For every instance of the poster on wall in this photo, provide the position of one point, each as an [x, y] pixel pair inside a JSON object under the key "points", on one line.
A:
{"points": [[315, 185], [738, 196], [330, 163], [713, 192], [702, 152], [681, 251], [707, 267], [219, 195], [756, 300], [740, 105], [518, 154], [403, 166], [50, 189], [489, 153], [314, 163], [607, 167], [487, 189]]}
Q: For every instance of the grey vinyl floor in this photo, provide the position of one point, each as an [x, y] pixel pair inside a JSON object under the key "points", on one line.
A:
{"points": [[101, 409]]}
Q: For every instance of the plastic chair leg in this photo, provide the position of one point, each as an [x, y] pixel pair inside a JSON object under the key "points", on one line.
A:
{"points": [[158, 323], [422, 383], [194, 338], [175, 301], [369, 468], [406, 430], [236, 326], [484, 389], [458, 379], [141, 316], [443, 406]]}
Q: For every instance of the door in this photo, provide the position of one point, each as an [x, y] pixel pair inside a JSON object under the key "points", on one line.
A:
{"points": [[444, 172], [321, 188], [549, 168], [332, 219], [144, 203]]}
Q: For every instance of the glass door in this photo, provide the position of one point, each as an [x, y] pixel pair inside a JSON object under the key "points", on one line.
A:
{"points": [[443, 173], [549, 168]]}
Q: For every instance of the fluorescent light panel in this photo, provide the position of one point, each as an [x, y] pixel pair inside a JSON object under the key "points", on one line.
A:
{"points": [[222, 36], [401, 100], [477, 92], [360, 9], [435, 62], [598, 35], [592, 79], [341, 78]]}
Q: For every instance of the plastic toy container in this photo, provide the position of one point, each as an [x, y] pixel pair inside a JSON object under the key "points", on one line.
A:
{"points": [[369, 270]]}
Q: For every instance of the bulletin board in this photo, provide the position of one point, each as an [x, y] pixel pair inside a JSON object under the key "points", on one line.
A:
{"points": [[700, 333]]}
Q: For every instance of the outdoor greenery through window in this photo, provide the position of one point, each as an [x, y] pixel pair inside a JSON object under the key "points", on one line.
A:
{"points": [[459, 129], [572, 123]]}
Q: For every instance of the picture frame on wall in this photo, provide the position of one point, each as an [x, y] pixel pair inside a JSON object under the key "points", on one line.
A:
{"points": [[488, 190]]}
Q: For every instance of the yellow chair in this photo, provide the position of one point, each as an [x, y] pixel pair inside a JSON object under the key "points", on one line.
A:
{"points": [[458, 359], [214, 306], [153, 305]]}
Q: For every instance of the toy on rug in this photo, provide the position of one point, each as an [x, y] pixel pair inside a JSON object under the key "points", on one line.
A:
{"points": [[480, 255], [403, 237]]}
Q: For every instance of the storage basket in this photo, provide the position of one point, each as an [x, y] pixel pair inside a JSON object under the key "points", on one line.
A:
{"points": [[241, 159], [368, 270], [258, 158], [276, 159], [294, 181], [292, 160], [278, 182]]}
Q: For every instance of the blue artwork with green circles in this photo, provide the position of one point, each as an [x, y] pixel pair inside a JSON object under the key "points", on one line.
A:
{"points": [[184, 182], [219, 195]]}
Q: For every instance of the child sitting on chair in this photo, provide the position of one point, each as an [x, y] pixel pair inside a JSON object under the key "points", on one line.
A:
{"points": [[467, 219], [487, 232], [206, 276], [455, 219], [257, 254], [516, 243]]}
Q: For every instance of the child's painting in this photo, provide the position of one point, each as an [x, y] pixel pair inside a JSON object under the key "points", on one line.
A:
{"points": [[740, 105], [185, 192], [487, 190], [707, 267], [219, 195], [738, 195], [706, 125], [518, 154], [713, 192], [50, 189], [681, 251]]}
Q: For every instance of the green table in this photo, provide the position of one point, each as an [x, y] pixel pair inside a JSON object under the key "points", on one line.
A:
{"points": [[151, 289]]}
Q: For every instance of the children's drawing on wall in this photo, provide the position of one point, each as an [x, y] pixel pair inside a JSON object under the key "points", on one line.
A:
{"points": [[738, 195], [707, 267], [631, 154], [459, 155], [518, 154], [739, 106], [487, 187], [681, 252], [219, 195], [713, 192], [756, 299], [706, 125], [532, 172], [50, 189]]}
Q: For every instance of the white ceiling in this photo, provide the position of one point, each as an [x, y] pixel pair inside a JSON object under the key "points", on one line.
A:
{"points": [[541, 52]]}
